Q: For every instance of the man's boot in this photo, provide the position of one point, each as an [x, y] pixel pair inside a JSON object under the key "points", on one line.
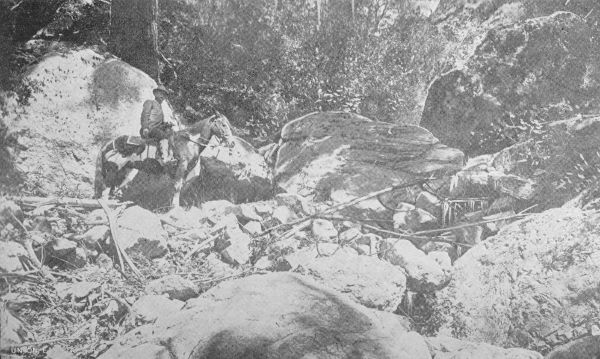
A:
{"points": [[164, 151]]}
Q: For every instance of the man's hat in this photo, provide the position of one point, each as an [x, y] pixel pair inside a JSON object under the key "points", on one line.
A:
{"points": [[161, 88]]}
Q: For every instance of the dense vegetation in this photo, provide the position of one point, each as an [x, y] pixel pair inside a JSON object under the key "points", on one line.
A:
{"points": [[263, 62]]}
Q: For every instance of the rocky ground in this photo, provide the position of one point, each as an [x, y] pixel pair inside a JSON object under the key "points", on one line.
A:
{"points": [[348, 238], [415, 265]]}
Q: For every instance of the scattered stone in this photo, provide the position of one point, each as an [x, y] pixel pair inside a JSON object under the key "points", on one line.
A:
{"points": [[352, 235], [65, 253], [253, 227], [494, 227], [217, 266], [370, 239], [12, 329], [175, 286], [263, 208], [234, 246], [324, 231], [433, 246], [42, 210], [96, 216], [248, 316], [140, 230], [228, 222], [585, 348], [103, 261], [283, 214], [469, 235], [186, 217], [447, 347], [9, 210], [296, 203], [95, 235], [248, 213], [401, 215], [502, 204], [57, 352], [218, 208], [419, 219], [77, 290], [39, 224], [429, 202], [263, 263], [362, 249], [151, 307], [239, 173], [238, 252], [18, 301], [366, 279], [423, 272], [10, 256]]}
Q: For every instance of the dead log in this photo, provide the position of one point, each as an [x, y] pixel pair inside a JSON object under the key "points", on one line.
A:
{"points": [[33, 201]]}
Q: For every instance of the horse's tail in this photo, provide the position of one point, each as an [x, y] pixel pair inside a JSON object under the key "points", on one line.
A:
{"points": [[99, 184]]}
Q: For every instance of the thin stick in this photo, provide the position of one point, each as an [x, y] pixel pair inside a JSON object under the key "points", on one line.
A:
{"points": [[172, 224], [33, 201], [112, 222], [49, 341], [340, 206], [28, 244], [118, 299], [200, 246], [440, 230], [417, 238]]}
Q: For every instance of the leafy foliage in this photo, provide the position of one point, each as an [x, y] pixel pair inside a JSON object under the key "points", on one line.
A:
{"points": [[262, 63]]}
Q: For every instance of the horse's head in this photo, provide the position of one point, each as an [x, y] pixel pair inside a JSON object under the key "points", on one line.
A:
{"points": [[220, 127]]}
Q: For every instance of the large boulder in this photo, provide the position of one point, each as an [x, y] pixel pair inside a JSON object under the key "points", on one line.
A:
{"points": [[278, 315], [238, 174], [79, 99], [540, 69], [341, 156], [423, 272], [450, 348], [369, 281], [140, 230], [547, 170], [532, 285]]}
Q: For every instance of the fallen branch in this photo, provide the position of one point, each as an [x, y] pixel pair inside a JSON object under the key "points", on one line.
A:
{"points": [[32, 201], [200, 246], [49, 341], [414, 237], [340, 206], [112, 223], [446, 229], [28, 244], [173, 224]]}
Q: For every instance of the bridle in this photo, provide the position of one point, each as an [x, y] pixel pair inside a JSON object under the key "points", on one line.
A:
{"points": [[203, 141]]}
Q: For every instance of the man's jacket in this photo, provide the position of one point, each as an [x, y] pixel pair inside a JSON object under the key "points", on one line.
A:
{"points": [[152, 114]]}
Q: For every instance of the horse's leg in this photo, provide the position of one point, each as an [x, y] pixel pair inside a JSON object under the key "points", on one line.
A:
{"points": [[179, 179], [106, 193], [130, 176]]}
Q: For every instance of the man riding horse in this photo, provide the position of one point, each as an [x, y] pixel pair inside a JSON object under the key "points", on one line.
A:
{"points": [[154, 125]]}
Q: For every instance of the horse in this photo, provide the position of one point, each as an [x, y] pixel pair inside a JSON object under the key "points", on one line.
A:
{"points": [[119, 160]]}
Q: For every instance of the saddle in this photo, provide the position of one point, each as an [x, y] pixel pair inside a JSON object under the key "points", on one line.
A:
{"points": [[129, 145]]}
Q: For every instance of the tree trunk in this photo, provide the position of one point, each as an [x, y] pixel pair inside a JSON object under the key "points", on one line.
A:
{"points": [[134, 34]]}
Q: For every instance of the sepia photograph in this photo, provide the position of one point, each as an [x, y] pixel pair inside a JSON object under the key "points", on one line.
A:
{"points": [[224, 179]]}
